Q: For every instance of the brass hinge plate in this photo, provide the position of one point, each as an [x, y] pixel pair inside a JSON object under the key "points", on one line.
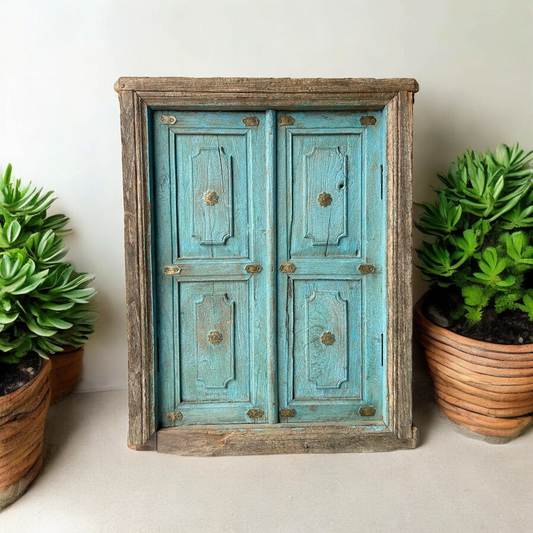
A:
{"points": [[250, 121], [287, 268], [169, 120], [367, 410], [285, 412], [285, 121], [172, 270], [366, 269], [367, 121], [255, 413], [253, 269], [174, 417]]}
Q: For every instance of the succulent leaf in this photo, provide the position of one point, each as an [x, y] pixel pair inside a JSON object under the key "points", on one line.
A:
{"points": [[44, 302], [482, 222]]}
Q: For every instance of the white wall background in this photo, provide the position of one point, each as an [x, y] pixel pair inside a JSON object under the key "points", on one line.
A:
{"points": [[59, 120]]}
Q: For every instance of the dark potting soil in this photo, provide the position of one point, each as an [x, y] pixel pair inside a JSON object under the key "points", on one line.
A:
{"points": [[14, 376], [510, 327]]}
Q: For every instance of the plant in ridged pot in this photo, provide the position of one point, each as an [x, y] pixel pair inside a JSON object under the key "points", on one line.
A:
{"points": [[44, 307], [476, 322]]}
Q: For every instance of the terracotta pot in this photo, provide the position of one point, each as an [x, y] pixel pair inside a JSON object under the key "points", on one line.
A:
{"points": [[484, 387], [22, 417], [66, 372]]}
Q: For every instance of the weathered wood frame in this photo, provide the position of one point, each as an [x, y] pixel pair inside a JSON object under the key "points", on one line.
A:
{"points": [[138, 97]]}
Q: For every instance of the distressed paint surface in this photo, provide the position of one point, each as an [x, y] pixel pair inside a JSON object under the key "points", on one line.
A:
{"points": [[211, 221], [214, 321], [325, 159], [211, 185], [324, 180], [216, 185], [326, 333], [332, 153]]}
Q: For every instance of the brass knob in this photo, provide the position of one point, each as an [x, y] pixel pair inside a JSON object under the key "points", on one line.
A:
{"points": [[327, 338], [324, 199], [214, 337], [210, 197]]}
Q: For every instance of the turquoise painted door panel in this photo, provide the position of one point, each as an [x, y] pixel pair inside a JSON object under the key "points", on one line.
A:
{"points": [[331, 222], [234, 333], [212, 223]]}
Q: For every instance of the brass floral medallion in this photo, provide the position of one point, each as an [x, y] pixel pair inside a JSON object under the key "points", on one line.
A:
{"points": [[210, 197], [214, 337], [327, 338], [324, 199]]}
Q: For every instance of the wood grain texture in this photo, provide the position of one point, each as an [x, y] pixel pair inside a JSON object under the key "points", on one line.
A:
{"points": [[265, 93], [137, 244], [266, 85], [399, 260], [263, 101], [249, 440]]}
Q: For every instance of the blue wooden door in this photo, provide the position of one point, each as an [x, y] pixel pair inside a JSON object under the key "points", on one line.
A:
{"points": [[213, 228], [331, 250], [249, 332]]}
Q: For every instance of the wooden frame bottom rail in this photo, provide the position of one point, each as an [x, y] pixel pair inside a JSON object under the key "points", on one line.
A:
{"points": [[212, 441]]}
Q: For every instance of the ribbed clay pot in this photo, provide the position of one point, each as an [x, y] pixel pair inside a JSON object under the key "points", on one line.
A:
{"points": [[22, 418], [66, 372], [481, 386]]}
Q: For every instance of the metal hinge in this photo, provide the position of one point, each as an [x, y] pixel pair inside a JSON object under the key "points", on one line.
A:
{"points": [[172, 270], [255, 413], [367, 410], [285, 412], [174, 417], [250, 121], [168, 120], [367, 121], [366, 269], [285, 121], [253, 269], [287, 268]]}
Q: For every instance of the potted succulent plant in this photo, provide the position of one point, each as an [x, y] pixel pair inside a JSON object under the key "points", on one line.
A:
{"points": [[43, 308], [476, 322]]}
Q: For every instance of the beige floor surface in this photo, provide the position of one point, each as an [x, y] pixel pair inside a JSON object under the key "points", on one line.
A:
{"points": [[92, 482]]}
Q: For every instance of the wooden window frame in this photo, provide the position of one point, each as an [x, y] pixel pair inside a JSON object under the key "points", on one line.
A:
{"points": [[138, 98]]}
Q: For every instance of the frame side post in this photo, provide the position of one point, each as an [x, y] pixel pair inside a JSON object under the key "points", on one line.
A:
{"points": [[141, 397], [399, 262]]}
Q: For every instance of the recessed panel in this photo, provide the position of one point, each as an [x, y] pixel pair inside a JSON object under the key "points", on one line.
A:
{"points": [[214, 334], [211, 196], [324, 177], [326, 192], [211, 213], [327, 352], [214, 325]]}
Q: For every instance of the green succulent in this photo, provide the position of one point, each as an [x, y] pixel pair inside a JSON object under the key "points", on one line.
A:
{"points": [[44, 302], [482, 225]]}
